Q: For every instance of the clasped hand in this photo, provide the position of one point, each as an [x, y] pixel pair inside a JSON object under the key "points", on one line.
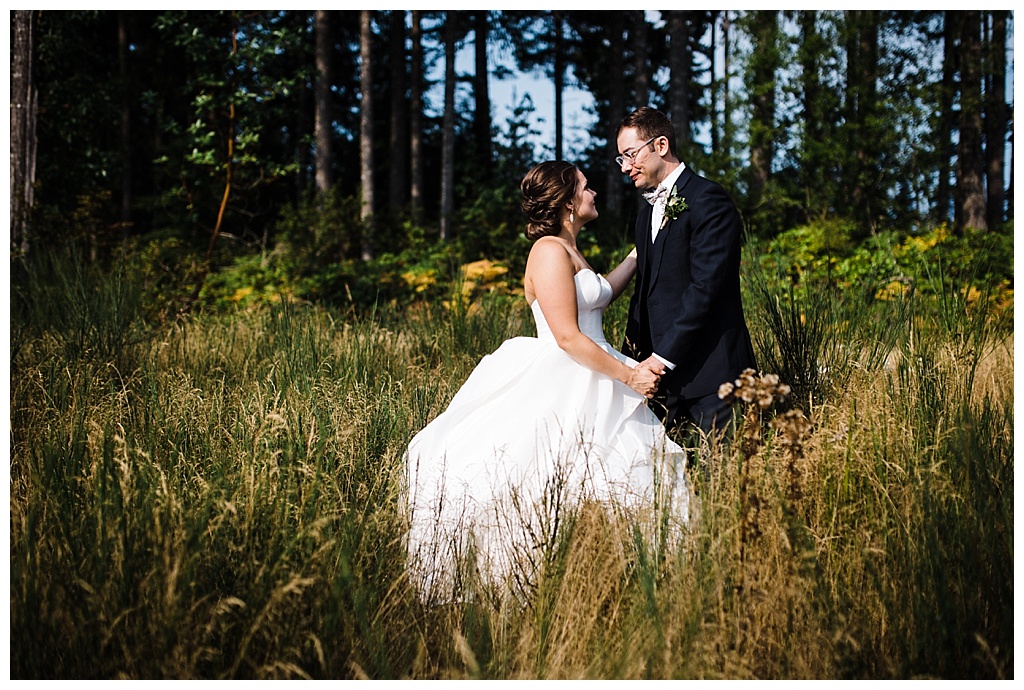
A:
{"points": [[646, 376]]}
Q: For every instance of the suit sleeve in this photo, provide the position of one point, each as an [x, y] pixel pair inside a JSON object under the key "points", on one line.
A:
{"points": [[631, 344], [714, 261]]}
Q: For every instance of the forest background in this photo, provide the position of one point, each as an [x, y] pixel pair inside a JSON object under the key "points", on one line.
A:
{"points": [[249, 155], [253, 252]]}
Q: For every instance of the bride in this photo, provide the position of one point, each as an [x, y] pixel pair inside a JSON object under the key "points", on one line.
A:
{"points": [[541, 423]]}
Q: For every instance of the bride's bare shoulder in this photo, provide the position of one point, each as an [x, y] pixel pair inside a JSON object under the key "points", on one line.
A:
{"points": [[549, 259], [548, 249]]}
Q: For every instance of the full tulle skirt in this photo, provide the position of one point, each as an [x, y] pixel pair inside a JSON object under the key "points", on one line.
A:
{"points": [[528, 437]]}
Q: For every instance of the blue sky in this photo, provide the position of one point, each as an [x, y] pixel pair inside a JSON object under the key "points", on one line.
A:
{"points": [[506, 93]]}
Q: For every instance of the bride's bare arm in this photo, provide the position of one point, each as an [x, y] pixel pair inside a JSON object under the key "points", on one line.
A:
{"points": [[620, 276], [549, 276]]}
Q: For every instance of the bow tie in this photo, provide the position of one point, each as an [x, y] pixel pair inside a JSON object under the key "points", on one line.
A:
{"points": [[656, 195]]}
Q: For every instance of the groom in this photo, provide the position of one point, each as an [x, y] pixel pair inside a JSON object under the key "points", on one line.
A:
{"points": [[685, 317]]}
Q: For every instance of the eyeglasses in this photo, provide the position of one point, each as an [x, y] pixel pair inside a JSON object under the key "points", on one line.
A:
{"points": [[631, 155]]}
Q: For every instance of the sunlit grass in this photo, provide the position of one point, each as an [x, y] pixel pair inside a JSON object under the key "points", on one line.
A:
{"points": [[221, 497]]}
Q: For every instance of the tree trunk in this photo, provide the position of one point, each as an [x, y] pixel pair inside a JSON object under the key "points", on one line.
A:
{"points": [[448, 130], [713, 85], [970, 167], [416, 118], [679, 78], [817, 182], [862, 60], [764, 64], [126, 123], [322, 121], [558, 28], [947, 120], [1009, 187], [482, 94], [727, 129], [617, 107], [366, 129], [398, 160], [638, 39], [868, 152], [995, 117], [22, 131], [811, 82], [229, 163]]}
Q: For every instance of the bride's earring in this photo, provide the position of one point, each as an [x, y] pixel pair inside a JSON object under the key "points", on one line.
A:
{"points": [[572, 217]]}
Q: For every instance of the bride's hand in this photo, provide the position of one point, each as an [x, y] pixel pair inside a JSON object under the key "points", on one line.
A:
{"points": [[643, 381]]}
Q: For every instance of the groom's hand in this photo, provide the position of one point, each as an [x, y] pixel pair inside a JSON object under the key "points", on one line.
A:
{"points": [[654, 365], [643, 381]]}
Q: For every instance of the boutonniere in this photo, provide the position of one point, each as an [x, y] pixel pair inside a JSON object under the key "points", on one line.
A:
{"points": [[674, 205]]}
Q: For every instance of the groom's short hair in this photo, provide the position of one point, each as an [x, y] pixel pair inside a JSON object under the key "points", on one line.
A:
{"points": [[650, 123]]}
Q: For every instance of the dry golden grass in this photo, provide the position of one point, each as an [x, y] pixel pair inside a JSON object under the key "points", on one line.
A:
{"points": [[226, 503], [994, 378]]}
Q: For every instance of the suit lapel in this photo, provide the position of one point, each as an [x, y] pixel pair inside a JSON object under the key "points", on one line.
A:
{"points": [[657, 252], [643, 240], [658, 249]]}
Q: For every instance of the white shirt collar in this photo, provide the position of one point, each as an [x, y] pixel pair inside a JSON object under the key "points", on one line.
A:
{"points": [[658, 214], [671, 178]]}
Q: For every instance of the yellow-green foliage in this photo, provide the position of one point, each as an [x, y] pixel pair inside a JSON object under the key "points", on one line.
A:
{"points": [[889, 263]]}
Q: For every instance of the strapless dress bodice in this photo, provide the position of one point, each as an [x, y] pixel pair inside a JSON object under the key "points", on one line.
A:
{"points": [[593, 294]]}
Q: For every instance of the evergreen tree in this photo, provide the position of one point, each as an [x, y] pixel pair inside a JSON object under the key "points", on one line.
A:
{"points": [[762, 72], [971, 209], [416, 153], [398, 146], [323, 134], [366, 130], [448, 134], [995, 114], [22, 130]]}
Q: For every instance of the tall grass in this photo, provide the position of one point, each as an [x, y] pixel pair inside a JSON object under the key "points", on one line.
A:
{"points": [[815, 334], [221, 497]]}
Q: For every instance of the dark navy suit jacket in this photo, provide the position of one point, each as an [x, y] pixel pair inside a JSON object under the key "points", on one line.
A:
{"points": [[686, 306]]}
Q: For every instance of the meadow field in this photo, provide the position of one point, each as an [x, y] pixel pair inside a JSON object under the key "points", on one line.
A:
{"points": [[219, 495]]}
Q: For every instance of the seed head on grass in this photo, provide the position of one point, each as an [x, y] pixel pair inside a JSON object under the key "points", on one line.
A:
{"points": [[750, 388], [756, 394], [793, 429]]}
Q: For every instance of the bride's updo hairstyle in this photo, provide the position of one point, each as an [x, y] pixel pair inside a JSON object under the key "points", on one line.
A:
{"points": [[546, 189]]}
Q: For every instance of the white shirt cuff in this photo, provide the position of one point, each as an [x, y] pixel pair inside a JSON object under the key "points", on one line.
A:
{"points": [[664, 361]]}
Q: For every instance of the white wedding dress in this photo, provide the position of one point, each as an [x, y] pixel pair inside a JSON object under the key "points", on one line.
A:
{"points": [[529, 434]]}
